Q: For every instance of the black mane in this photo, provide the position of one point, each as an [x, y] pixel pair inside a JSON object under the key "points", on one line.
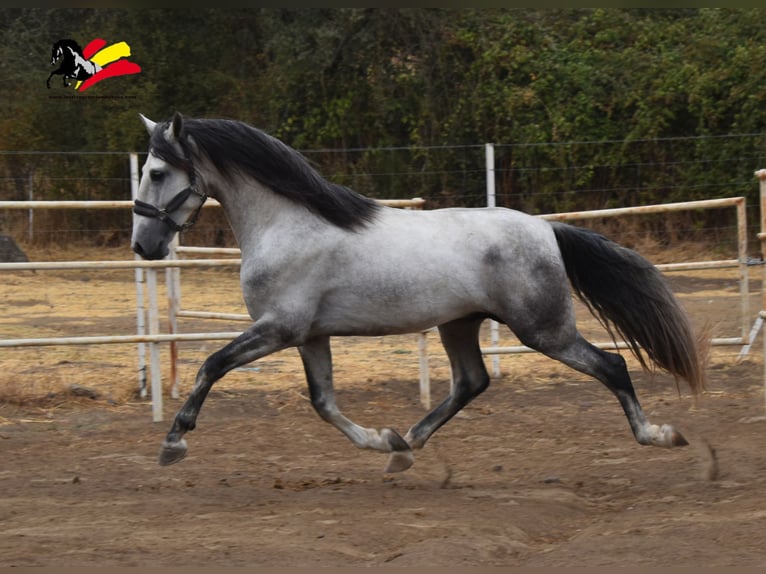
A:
{"points": [[234, 146], [68, 44]]}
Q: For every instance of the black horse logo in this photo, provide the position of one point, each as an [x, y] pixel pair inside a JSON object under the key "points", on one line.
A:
{"points": [[73, 65]]}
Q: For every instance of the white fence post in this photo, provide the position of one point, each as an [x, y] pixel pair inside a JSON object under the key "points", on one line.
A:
{"points": [[31, 213], [489, 157], [425, 379], [154, 347], [173, 282], [761, 175], [139, 274]]}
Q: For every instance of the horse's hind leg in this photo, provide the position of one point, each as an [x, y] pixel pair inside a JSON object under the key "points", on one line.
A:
{"points": [[317, 362], [610, 369], [470, 378]]}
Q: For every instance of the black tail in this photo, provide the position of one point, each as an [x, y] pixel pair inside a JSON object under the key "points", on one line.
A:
{"points": [[625, 291]]}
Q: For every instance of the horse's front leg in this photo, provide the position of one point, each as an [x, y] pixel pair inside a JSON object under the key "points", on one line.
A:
{"points": [[260, 340], [53, 73], [317, 361]]}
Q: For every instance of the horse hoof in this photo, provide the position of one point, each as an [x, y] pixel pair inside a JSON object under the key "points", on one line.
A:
{"points": [[399, 461], [677, 439], [394, 440], [670, 437], [172, 452], [401, 454]]}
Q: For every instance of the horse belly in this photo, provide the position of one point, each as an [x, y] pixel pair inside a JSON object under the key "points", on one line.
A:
{"points": [[396, 305], [376, 320]]}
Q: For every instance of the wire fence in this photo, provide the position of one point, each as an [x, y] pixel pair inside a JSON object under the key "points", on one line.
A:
{"points": [[533, 177]]}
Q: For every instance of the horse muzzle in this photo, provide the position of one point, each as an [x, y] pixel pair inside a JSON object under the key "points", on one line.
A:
{"points": [[160, 251]]}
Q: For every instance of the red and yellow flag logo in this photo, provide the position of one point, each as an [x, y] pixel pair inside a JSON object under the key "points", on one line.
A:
{"points": [[111, 59]]}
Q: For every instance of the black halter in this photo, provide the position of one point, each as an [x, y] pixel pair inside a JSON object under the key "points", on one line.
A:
{"points": [[149, 210]]}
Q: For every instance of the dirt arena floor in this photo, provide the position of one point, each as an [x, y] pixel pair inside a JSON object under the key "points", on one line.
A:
{"points": [[541, 470]]}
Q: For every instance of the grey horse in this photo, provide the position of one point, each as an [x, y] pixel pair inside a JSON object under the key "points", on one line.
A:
{"points": [[320, 260]]}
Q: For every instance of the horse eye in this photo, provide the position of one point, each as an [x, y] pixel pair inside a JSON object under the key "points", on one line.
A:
{"points": [[156, 175]]}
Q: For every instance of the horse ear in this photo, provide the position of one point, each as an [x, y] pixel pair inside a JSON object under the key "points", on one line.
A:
{"points": [[148, 124], [176, 127]]}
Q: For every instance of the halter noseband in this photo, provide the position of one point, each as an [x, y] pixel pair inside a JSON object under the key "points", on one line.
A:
{"points": [[149, 210]]}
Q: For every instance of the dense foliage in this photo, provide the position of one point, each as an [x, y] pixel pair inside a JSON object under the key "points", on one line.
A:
{"points": [[586, 107]]}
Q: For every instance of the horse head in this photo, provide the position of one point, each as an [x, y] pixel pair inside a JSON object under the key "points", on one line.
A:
{"points": [[56, 52], [168, 200], [67, 48]]}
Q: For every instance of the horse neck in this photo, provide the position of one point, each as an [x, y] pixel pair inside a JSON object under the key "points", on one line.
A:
{"points": [[254, 211]]}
